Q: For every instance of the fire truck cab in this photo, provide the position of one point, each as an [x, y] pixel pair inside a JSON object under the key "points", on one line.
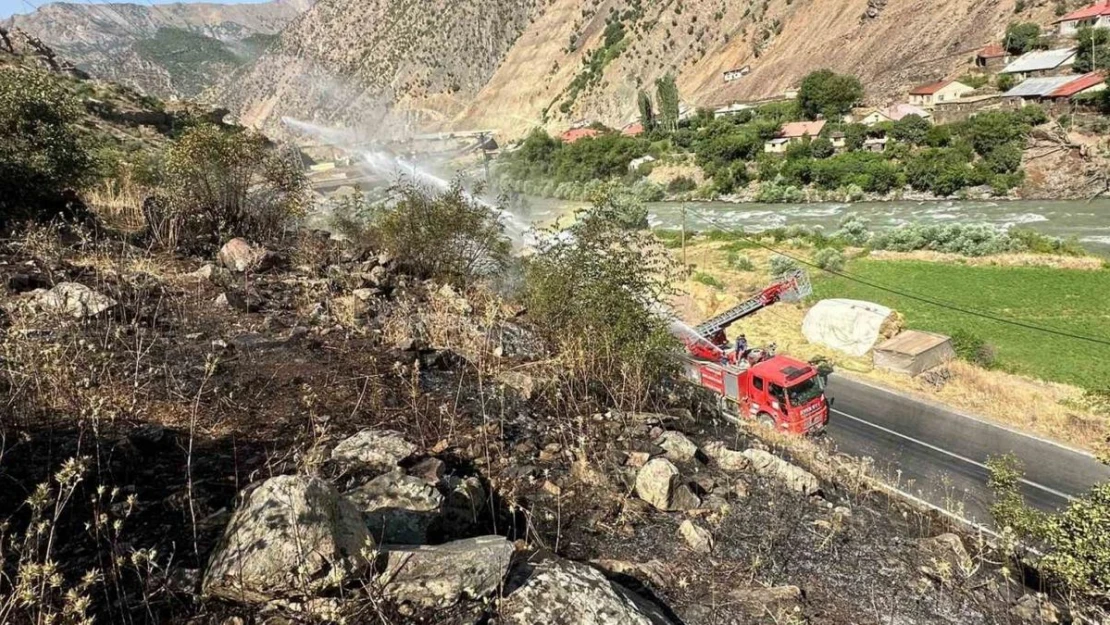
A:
{"points": [[780, 392]]}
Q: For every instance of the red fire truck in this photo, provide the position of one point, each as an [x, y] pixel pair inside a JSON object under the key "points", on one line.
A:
{"points": [[776, 391]]}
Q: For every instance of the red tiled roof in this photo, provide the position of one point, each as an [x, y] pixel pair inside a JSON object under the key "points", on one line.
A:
{"points": [[1095, 10], [575, 134], [1086, 81], [633, 130], [992, 51], [930, 88], [801, 129]]}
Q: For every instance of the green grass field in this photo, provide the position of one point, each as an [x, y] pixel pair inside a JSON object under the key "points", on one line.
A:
{"points": [[1072, 301]]}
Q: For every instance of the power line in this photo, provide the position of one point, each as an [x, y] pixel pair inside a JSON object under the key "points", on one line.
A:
{"points": [[919, 298]]}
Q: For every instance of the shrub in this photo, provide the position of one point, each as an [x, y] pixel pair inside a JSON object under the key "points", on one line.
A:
{"points": [[681, 184], [822, 147], [708, 280], [829, 259], [43, 159], [231, 183], [1004, 82], [912, 129], [942, 171], [728, 179], [854, 229], [740, 262], [782, 266], [1023, 37], [593, 295], [973, 349], [1005, 159]]}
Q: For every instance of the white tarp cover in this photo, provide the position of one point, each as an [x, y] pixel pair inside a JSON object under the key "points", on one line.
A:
{"points": [[846, 325]]}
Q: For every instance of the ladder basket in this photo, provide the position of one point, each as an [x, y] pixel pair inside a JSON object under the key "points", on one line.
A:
{"points": [[799, 287]]}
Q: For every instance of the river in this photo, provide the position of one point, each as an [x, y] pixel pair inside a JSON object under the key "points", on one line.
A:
{"points": [[1088, 222]]}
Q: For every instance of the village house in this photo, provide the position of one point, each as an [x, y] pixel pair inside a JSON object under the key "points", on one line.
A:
{"points": [[737, 73], [1041, 63], [928, 95], [1054, 89], [1091, 82], [893, 113], [794, 131], [838, 139], [731, 109], [993, 56], [1095, 16]]}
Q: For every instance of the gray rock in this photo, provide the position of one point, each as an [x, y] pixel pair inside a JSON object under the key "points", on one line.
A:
{"points": [[239, 256], [1035, 608], [515, 341], [740, 489], [658, 483], [727, 459], [440, 576], [292, 536], [770, 465], [238, 300], [378, 276], [560, 592], [521, 382], [699, 538], [397, 508], [431, 470], [677, 447], [211, 272], [377, 449], [75, 300], [944, 557]]}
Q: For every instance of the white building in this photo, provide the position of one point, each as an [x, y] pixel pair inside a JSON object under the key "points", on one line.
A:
{"points": [[1095, 16], [927, 96]]}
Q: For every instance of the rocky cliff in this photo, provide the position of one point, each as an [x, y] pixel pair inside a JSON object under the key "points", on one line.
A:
{"points": [[511, 66], [166, 50]]}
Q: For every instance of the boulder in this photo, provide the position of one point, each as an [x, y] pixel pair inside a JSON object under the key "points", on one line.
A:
{"points": [[728, 460], [795, 477], [75, 300], [290, 537], [440, 576], [397, 508], [677, 447], [238, 300], [658, 483], [515, 341], [521, 382], [944, 557], [210, 272], [431, 470], [699, 538], [379, 450], [555, 591], [239, 256], [1035, 608]]}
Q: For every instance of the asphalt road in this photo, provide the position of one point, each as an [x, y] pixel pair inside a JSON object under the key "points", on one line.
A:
{"points": [[940, 455]]}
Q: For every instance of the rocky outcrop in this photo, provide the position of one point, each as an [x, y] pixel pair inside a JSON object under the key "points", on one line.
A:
{"points": [[378, 450], [75, 300], [944, 557], [239, 256], [659, 483], [677, 447], [397, 508], [698, 538], [291, 537], [794, 477], [442, 575], [555, 591], [727, 459]]}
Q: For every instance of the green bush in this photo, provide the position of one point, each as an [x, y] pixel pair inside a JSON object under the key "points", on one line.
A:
{"points": [[829, 259], [223, 183], [822, 147], [1022, 37], [1004, 82], [942, 171], [740, 262], [708, 280], [854, 230], [593, 295], [681, 184], [782, 266], [912, 129], [43, 159], [974, 349]]}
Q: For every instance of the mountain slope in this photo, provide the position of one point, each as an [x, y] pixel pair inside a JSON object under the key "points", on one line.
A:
{"points": [[354, 61], [166, 50], [561, 60]]}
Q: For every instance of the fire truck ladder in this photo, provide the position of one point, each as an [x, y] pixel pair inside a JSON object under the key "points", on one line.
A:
{"points": [[793, 288]]}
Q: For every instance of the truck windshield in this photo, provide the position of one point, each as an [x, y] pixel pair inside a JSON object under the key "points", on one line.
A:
{"points": [[804, 392]]}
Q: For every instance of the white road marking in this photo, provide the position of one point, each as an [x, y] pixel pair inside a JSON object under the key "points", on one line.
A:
{"points": [[1046, 489]]}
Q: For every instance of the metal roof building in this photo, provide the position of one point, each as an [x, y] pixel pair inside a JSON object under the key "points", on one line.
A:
{"points": [[1038, 87], [1040, 61]]}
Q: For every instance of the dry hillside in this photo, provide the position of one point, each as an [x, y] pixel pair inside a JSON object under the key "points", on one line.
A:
{"points": [[120, 42], [509, 66]]}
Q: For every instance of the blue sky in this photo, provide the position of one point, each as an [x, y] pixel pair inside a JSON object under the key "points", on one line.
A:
{"points": [[11, 7]]}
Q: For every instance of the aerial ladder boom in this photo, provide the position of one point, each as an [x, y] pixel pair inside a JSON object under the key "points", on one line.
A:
{"points": [[711, 333]]}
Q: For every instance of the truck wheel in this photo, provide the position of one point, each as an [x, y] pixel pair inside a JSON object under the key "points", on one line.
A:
{"points": [[765, 420]]}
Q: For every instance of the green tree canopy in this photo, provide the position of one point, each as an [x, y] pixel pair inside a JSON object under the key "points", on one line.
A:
{"points": [[1021, 37], [667, 98], [1092, 49], [827, 93], [647, 113], [42, 154], [912, 129]]}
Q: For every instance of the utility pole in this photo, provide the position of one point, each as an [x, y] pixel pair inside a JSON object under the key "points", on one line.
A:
{"points": [[684, 265]]}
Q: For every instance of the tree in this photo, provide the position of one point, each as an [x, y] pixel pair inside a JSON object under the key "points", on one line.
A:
{"points": [[827, 93], [231, 183], [854, 136], [43, 159], [912, 129], [821, 147], [647, 114], [666, 94], [1021, 37], [990, 129], [1005, 82], [1092, 49]]}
